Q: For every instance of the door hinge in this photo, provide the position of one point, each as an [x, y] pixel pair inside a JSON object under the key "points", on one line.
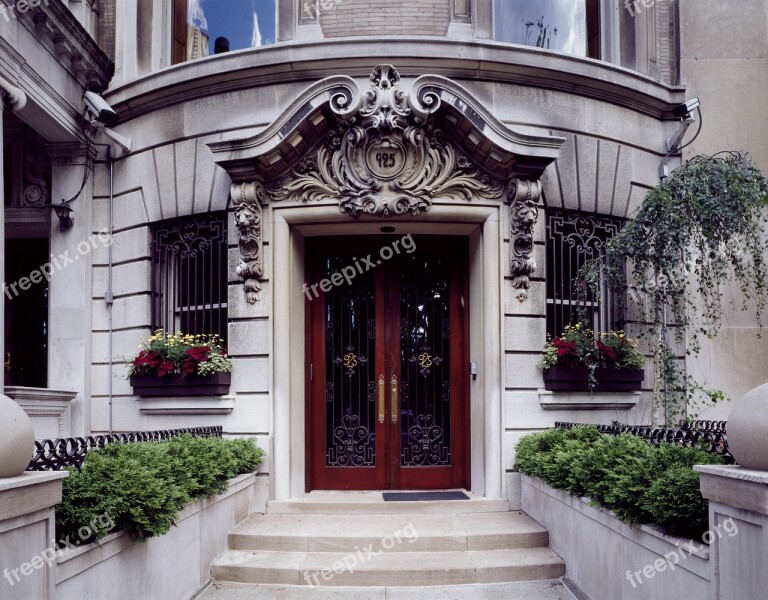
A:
{"points": [[462, 301], [311, 372]]}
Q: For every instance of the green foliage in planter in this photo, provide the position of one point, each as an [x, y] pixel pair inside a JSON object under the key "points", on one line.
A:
{"points": [[639, 482], [697, 234], [143, 486], [675, 502]]}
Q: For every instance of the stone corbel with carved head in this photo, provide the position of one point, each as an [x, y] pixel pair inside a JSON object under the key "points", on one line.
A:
{"points": [[523, 196], [248, 200]]}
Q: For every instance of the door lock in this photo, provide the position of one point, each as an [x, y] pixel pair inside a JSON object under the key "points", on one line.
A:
{"points": [[473, 369]]}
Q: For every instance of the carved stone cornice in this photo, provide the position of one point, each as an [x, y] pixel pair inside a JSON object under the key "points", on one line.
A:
{"points": [[247, 200], [523, 196], [383, 107], [71, 153], [54, 25]]}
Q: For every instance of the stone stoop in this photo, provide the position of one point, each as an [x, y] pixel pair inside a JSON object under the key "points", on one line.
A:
{"points": [[345, 540]]}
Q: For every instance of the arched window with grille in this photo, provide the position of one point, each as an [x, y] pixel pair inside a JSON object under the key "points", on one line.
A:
{"points": [[189, 274]]}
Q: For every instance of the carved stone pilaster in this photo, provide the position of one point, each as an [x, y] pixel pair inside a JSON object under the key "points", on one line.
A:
{"points": [[523, 196], [248, 200]]}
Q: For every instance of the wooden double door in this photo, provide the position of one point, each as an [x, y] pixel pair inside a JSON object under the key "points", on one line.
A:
{"points": [[387, 363]]}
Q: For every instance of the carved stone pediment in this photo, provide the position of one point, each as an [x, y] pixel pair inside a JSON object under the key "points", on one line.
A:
{"points": [[383, 151], [385, 159]]}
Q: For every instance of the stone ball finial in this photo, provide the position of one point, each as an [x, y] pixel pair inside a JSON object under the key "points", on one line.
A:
{"points": [[17, 438], [747, 429]]}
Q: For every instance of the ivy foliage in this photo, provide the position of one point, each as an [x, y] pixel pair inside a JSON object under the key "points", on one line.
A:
{"points": [[141, 487], [696, 235], [639, 482]]}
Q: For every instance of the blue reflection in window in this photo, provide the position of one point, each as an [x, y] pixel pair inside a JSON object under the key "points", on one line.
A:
{"points": [[552, 24], [242, 24]]}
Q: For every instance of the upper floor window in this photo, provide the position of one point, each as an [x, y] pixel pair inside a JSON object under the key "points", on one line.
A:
{"points": [[566, 25], [189, 275], [572, 240], [205, 27]]}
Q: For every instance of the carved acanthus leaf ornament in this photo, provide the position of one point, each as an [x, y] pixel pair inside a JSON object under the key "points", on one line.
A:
{"points": [[385, 159]]}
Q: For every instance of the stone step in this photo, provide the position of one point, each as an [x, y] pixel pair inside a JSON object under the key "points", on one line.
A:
{"points": [[388, 568], [528, 590], [372, 503], [403, 532]]}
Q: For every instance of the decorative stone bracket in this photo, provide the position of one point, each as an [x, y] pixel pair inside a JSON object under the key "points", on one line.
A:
{"points": [[523, 196], [248, 200], [11, 97]]}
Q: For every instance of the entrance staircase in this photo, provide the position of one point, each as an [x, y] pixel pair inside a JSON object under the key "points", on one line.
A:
{"points": [[355, 545]]}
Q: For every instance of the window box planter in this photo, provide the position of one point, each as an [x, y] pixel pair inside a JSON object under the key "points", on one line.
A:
{"points": [[177, 384], [566, 379]]}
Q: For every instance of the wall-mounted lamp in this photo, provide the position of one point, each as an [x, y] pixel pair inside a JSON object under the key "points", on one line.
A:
{"points": [[63, 211]]}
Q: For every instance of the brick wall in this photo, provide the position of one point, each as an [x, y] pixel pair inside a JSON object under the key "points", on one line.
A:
{"points": [[391, 17], [667, 42], [107, 27]]}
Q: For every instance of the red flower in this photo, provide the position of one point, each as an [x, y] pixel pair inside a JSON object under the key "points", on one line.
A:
{"points": [[199, 353], [164, 368], [566, 352], [607, 351], [147, 359]]}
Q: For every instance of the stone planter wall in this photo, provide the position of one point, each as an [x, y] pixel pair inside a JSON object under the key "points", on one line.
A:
{"points": [[175, 565], [599, 550]]}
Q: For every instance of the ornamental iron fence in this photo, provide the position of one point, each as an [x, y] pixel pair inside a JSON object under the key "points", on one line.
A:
{"points": [[709, 436], [60, 453]]}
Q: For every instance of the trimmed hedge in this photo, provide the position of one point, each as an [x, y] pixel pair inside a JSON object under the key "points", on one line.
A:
{"points": [[141, 487], [639, 482]]}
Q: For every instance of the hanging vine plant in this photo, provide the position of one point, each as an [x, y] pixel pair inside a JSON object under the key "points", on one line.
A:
{"points": [[698, 232]]}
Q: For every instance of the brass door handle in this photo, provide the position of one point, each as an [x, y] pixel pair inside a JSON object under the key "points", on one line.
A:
{"points": [[381, 398], [395, 408]]}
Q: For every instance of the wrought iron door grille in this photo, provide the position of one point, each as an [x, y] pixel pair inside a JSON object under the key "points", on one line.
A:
{"points": [[572, 240], [189, 275]]}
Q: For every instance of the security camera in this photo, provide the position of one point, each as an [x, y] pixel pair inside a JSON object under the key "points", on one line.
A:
{"points": [[683, 110], [99, 109]]}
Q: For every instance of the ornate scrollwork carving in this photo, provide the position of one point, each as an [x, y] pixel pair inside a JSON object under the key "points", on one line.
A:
{"points": [[523, 196], [385, 159], [248, 199], [36, 190]]}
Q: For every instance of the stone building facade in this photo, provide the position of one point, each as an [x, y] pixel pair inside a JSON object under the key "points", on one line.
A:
{"points": [[491, 138]]}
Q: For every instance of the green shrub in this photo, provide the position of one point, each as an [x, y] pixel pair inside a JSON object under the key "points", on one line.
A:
{"points": [[675, 502], [143, 486], [639, 482]]}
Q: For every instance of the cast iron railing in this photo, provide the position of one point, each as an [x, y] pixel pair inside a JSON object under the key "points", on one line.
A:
{"points": [[709, 436], [60, 453]]}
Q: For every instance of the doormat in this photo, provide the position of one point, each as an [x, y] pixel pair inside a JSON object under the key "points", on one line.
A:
{"points": [[422, 496]]}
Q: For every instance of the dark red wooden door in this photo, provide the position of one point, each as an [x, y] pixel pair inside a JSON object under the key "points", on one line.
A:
{"points": [[387, 358]]}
